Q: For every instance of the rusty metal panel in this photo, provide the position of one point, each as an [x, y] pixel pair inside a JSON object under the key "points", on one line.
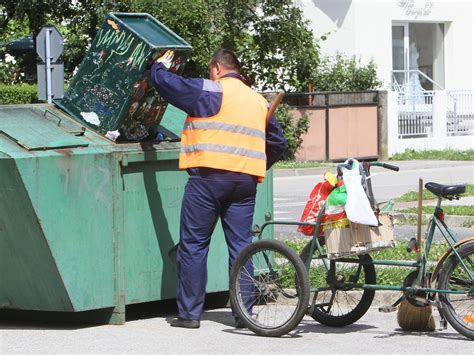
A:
{"points": [[314, 141], [353, 132]]}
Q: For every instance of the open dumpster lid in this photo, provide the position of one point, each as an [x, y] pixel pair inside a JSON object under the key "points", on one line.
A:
{"points": [[111, 90], [151, 30], [36, 129]]}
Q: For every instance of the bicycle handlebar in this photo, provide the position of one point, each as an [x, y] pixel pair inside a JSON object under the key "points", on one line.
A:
{"points": [[388, 166], [376, 163]]}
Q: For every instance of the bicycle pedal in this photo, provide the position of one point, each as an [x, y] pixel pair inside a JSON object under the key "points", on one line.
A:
{"points": [[388, 309]]}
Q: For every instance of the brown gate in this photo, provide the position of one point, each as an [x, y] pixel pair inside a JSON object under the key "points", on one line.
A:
{"points": [[342, 124]]}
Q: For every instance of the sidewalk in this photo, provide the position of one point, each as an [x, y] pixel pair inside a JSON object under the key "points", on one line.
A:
{"points": [[402, 164], [374, 333], [451, 220]]}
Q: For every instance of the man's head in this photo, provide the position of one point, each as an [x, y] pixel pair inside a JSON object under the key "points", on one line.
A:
{"points": [[222, 62]]}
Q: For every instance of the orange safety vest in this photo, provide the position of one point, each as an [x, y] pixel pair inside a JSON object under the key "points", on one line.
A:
{"points": [[234, 138]]}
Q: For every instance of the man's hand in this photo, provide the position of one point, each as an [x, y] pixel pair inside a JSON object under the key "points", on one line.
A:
{"points": [[166, 59]]}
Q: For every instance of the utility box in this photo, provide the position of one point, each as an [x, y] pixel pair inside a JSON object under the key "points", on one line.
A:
{"points": [[87, 223], [110, 91]]}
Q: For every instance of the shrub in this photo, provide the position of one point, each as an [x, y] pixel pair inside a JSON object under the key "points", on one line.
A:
{"points": [[340, 73], [292, 129], [18, 94]]}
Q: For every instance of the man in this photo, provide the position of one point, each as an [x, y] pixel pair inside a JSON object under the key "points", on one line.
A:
{"points": [[226, 149]]}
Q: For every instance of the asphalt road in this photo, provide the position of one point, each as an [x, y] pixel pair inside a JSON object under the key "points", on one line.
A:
{"points": [[149, 332], [292, 188]]}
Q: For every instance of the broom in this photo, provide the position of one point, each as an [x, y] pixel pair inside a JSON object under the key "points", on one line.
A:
{"points": [[410, 317]]}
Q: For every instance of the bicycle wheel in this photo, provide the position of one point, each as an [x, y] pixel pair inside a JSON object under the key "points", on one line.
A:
{"points": [[458, 309], [342, 303], [269, 288]]}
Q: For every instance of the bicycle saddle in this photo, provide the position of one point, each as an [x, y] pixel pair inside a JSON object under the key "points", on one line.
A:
{"points": [[446, 191]]}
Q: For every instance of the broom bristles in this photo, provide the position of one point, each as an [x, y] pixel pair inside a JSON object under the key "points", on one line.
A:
{"points": [[410, 317]]}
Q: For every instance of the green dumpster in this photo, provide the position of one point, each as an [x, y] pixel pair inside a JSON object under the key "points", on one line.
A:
{"points": [[87, 223]]}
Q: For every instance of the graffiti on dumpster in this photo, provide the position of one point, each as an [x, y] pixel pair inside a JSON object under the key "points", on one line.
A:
{"points": [[121, 45], [107, 75], [112, 83]]}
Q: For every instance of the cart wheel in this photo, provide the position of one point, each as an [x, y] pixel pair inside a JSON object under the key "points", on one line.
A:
{"points": [[458, 309], [269, 288], [343, 303]]}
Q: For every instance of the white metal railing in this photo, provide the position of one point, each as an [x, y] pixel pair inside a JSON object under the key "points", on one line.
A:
{"points": [[407, 85], [460, 113], [443, 121], [415, 114]]}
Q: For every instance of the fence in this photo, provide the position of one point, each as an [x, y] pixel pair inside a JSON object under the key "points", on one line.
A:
{"points": [[460, 113], [433, 120], [342, 124], [415, 114]]}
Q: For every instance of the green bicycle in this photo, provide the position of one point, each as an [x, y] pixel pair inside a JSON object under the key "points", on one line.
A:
{"points": [[270, 288]]}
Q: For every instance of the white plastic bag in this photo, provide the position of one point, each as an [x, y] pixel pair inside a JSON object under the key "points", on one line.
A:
{"points": [[357, 207]]}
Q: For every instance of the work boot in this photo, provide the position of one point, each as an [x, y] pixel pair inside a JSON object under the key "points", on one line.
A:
{"points": [[185, 323], [239, 323]]}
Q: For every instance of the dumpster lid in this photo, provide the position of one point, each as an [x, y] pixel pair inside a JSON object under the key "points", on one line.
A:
{"points": [[111, 90], [24, 127], [150, 30]]}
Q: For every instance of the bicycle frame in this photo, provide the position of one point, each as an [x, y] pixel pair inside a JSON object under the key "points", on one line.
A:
{"points": [[436, 222]]}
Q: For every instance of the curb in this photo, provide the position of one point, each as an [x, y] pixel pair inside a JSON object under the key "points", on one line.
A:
{"points": [[452, 221], [300, 172], [403, 164]]}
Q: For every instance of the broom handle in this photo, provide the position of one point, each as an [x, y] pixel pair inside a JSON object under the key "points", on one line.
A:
{"points": [[273, 107], [418, 230]]}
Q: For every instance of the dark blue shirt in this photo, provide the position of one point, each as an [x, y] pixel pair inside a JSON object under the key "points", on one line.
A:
{"points": [[203, 98]]}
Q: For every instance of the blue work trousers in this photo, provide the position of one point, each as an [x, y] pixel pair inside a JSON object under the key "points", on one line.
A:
{"points": [[206, 199]]}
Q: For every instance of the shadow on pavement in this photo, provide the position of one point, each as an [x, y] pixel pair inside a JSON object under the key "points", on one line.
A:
{"points": [[440, 334], [21, 319], [308, 326]]}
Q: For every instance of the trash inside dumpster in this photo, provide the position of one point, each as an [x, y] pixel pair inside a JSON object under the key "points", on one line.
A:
{"points": [[86, 223]]}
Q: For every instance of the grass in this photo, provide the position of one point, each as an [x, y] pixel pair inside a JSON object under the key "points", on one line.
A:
{"points": [[448, 154], [293, 164], [448, 210], [427, 195], [408, 154], [411, 221], [468, 223], [399, 252], [385, 275]]}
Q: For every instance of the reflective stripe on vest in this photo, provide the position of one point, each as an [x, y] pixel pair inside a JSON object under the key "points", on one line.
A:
{"points": [[233, 139]]}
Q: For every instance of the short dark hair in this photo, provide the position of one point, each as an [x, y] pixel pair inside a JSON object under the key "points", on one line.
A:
{"points": [[227, 59]]}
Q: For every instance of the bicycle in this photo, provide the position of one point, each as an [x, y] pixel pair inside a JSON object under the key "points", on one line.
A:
{"points": [[270, 288]]}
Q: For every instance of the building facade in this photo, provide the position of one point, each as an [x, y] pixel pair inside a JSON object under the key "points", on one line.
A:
{"points": [[424, 52], [435, 37]]}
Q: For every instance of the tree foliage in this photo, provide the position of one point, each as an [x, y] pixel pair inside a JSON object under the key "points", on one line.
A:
{"points": [[271, 37], [341, 73], [294, 129]]}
